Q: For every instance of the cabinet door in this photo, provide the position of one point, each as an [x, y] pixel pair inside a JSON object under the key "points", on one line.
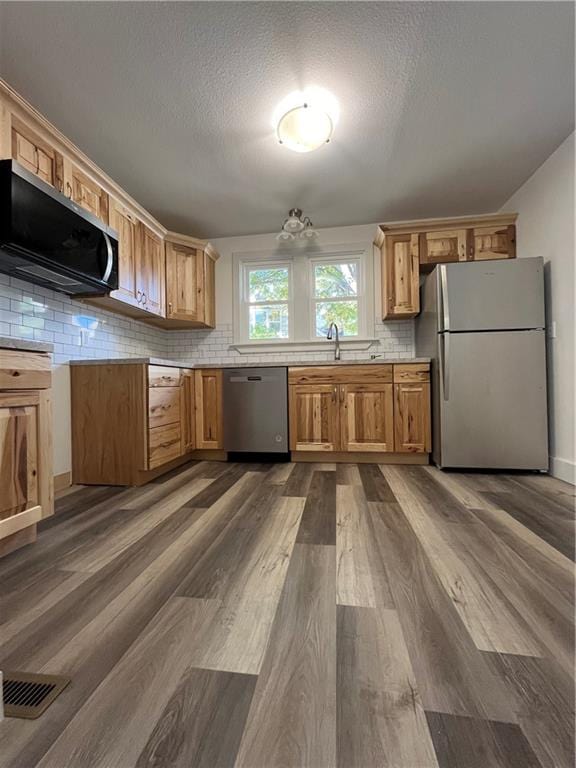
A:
{"points": [[187, 411], [36, 155], [443, 247], [494, 242], [184, 283], [208, 397], [86, 193], [367, 414], [314, 417], [209, 292], [400, 276], [412, 417], [150, 271], [125, 223], [19, 467]]}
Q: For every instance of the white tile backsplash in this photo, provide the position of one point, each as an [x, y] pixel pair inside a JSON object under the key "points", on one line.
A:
{"points": [[79, 330]]}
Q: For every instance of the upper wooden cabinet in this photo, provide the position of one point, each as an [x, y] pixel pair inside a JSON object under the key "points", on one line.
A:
{"points": [[190, 284], [150, 271], [400, 275], [35, 154], [442, 246], [85, 192], [494, 242], [126, 225]]}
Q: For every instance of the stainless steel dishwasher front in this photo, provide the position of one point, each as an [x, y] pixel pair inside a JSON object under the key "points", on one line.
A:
{"points": [[256, 410]]}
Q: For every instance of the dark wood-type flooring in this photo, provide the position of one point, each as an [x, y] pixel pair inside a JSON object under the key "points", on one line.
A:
{"points": [[307, 615]]}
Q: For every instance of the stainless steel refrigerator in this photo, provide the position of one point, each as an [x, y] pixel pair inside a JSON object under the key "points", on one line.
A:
{"points": [[482, 324]]}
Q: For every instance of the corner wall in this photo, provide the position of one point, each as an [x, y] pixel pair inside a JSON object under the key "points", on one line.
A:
{"points": [[545, 227]]}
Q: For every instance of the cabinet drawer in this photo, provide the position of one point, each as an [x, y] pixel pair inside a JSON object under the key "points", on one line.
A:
{"points": [[163, 406], [162, 376], [341, 374], [411, 372], [164, 444], [24, 370]]}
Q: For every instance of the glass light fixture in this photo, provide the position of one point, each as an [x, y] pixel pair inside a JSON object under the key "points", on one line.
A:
{"points": [[297, 225], [305, 120]]}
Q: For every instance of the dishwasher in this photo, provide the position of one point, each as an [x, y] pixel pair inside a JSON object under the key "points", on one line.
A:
{"points": [[256, 413]]}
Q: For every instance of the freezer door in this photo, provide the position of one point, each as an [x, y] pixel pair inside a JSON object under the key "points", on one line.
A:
{"points": [[492, 400], [491, 295]]}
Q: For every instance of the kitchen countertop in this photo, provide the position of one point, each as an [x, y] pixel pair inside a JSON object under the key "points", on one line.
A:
{"points": [[9, 342], [295, 364]]}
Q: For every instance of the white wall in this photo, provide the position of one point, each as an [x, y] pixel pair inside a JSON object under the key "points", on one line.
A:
{"points": [[545, 204]]}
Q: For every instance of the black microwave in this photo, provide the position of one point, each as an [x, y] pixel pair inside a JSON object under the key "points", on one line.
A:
{"points": [[47, 239]]}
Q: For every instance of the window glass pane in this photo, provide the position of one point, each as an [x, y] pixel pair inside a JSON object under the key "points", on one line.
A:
{"points": [[343, 313], [268, 284], [334, 280], [269, 322]]}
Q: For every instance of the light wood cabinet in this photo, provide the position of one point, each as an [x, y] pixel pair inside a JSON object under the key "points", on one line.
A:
{"points": [[400, 276], [190, 283], [132, 421], [85, 192], [35, 154], [208, 410], [367, 417], [150, 269], [494, 242], [26, 474], [412, 408], [314, 417], [443, 246], [126, 225], [349, 410]]}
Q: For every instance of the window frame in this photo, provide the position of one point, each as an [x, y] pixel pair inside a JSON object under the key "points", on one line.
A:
{"points": [[301, 320]]}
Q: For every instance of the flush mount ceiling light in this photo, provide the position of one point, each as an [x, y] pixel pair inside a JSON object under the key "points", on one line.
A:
{"points": [[305, 120], [297, 225]]}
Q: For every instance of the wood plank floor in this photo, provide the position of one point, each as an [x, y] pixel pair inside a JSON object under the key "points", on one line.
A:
{"points": [[303, 616]]}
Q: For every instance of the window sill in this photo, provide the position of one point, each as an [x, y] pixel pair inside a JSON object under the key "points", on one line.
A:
{"points": [[322, 345]]}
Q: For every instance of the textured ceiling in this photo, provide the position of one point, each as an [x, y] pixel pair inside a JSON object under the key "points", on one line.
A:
{"points": [[446, 108]]}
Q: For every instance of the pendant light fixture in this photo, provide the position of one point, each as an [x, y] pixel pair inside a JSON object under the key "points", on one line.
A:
{"points": [[296, 225]]}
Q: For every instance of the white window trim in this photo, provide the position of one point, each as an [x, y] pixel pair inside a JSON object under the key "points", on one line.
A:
{"points": [[301, 321]]}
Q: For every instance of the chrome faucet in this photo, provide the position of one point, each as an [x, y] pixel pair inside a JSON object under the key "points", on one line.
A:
{"points": [[336, 340]]}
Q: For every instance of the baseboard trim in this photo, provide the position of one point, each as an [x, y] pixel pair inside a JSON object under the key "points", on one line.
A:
{"points": [[62, 481], [563, 469], [341, 457], [209, 455]]}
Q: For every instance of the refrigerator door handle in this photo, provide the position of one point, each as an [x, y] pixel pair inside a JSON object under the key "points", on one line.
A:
{"points": [[444, 350], [444, 297]]}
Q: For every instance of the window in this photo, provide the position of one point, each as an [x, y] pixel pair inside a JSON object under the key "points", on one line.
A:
{"points": [[335, 296], [268, 292], [294, 301]]}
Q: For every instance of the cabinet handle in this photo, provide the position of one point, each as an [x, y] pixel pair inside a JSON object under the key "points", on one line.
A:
{"points": [[37, 159], [169, 307], [342, 395], [334, 391], [144, 299], [68, 192]]}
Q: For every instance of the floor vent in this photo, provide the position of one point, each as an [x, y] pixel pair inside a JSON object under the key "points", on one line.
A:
{"points": [[28, 695]]}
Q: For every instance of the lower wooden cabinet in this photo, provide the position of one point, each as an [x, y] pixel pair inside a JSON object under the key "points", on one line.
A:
{"points": [[367, 417], [355, 409], [209, 414], [314, 417], [26, 473], [131, 421]]}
